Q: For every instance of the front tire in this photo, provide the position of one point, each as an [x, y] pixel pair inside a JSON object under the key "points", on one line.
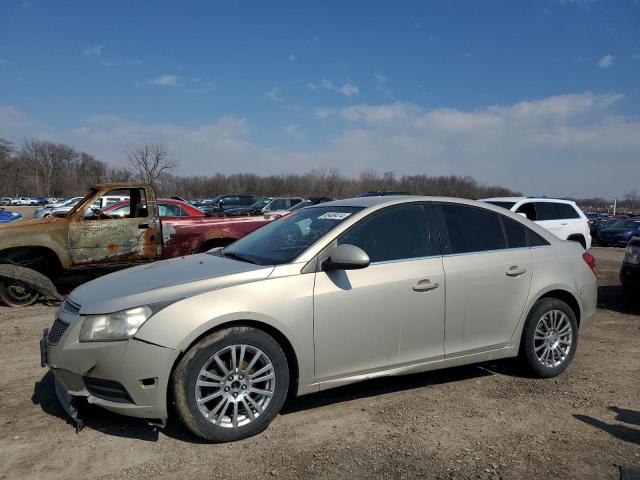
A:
{"points": [[14, 293], [231, 384], [549, 339]]}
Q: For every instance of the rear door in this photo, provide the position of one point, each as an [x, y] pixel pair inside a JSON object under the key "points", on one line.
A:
{"points": [[487, 274], [549, 217]]}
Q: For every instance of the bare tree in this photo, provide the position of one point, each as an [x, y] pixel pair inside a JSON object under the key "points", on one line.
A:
{"points": [[150, 161], [50, 161], [632, 199]]}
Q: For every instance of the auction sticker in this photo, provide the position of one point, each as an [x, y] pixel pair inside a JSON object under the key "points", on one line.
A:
{"points": [[334, 216]]}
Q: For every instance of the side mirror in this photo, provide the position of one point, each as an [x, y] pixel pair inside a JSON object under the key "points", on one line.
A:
{"points": [[523, 214], [346, 257]]}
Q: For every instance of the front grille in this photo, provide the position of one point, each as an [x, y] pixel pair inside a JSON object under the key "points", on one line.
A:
{"points": [[71, 307], [107, 390], [56, 331]]}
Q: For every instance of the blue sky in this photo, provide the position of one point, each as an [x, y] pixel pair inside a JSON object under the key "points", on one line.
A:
{"points": [[511, 92]]}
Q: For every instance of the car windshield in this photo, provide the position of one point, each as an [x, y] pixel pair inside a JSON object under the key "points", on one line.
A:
{"points": [[300, 205], [506, 205], [282, 240], [626, 224], [260, 203]]}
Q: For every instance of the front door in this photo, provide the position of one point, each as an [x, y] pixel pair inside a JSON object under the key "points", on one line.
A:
{"points": [[100, 238], [388, 314]]}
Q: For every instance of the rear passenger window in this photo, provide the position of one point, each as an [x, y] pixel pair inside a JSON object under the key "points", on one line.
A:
{"points": [[394, 234], [529, 209], [567, 211], [547, 211], [516, 233], [472, 229], [535, 240]]}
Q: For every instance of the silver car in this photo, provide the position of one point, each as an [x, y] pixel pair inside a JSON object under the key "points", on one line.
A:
{"points": [[332, 294]]}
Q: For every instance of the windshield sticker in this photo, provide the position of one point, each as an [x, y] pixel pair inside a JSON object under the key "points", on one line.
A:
{"points": [[334, 216]]}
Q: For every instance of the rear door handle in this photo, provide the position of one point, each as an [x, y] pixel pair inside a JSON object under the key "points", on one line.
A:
{"points": [[516, 271], [425, 286]]}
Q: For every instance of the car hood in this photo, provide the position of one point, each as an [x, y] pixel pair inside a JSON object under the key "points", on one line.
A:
{"points": [[33, 222], [164, 281]]}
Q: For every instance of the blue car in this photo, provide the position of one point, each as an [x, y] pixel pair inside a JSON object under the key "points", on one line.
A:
{"points": [[6, 216], [620, 233]]}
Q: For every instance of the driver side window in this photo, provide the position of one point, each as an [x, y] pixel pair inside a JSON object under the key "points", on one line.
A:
{"points": [[396, 233], [135, 205]]}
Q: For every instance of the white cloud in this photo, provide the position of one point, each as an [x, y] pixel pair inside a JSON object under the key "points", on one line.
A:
{"points": [[568, 145], [94, 51], [379, 113], [293, 130], [606, 61], [324, 112], [165, 81], [380, 78], [274, 95], [348, 89], [291, 57]]}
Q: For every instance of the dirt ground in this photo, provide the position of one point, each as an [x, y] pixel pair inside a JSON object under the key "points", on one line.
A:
{"points": [[484, 421]]}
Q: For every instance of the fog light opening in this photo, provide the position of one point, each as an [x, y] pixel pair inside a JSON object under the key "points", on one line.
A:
{"points": [[149, 382]]}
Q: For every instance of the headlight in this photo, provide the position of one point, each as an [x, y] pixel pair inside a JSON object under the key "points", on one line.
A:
{"points": [[632, 255], [114, 326]]}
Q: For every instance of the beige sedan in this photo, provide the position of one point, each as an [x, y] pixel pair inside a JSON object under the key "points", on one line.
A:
{"points": [[329, 295]]}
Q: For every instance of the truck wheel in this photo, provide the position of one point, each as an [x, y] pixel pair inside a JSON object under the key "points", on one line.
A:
{"points": [[14, 293], [231, 384]]}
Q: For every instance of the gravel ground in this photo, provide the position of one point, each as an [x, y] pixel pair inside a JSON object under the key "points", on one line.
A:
{"points": [[484, 421]]}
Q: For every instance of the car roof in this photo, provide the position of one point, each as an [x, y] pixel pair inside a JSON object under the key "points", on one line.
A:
{"points": [[365, 202], [520, 199]]}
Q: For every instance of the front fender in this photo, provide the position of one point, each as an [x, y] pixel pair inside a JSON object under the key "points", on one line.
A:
{"points": [[282, 303]]}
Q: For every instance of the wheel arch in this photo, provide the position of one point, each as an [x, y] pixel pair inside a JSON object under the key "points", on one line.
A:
{"points": [[565, 296], [578, 237], [39, 258], [278, 335]]}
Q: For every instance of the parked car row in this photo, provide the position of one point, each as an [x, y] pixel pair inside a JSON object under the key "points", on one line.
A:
{"points": [[615, 230]]}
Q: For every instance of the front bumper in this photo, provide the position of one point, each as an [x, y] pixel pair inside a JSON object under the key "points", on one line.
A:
{"points": [[128, 377]]}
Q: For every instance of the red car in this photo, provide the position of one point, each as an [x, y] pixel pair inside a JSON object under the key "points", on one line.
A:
{"points": [[167, 207]]}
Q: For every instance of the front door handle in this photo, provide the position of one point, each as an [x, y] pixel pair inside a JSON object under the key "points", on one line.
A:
{"points": [[516, 271], [143, 226], [425, 286]]}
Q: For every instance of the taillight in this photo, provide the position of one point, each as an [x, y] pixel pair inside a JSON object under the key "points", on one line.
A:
{"points": [[590, 260]]}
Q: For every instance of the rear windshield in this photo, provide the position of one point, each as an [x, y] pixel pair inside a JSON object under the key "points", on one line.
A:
{"points": [[507, 205]]}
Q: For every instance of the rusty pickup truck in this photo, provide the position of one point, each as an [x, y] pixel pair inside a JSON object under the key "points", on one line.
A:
{"points": [[36, 256]]}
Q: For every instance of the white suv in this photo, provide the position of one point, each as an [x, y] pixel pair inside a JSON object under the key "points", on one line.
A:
{"points": [[563, 218]]}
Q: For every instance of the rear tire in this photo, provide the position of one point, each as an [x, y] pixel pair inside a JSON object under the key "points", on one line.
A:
{"points": [[231, 384], [549, 339]]}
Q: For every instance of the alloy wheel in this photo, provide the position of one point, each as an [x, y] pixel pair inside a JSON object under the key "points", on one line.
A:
{"points": [[553, 338], [235, 385]]}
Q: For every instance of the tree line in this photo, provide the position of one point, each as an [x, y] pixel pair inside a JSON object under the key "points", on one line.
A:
{"points": [[44, 168]]}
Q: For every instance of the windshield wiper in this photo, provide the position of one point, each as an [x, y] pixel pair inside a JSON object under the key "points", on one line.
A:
{"points": [[237, 256]]}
